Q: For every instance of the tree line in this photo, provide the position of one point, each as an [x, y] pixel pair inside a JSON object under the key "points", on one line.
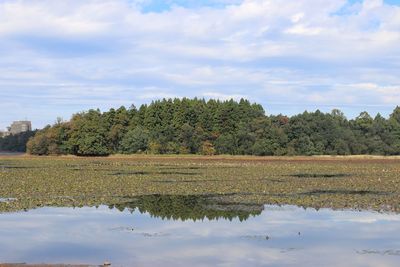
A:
{"points": [[15, 142], [197, 126]]}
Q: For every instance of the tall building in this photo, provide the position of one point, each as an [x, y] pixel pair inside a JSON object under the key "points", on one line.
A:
{"points": [[20, 127], [17, 127]]}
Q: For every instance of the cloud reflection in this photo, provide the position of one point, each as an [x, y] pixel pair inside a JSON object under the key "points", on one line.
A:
{"points": [[296, 237]]}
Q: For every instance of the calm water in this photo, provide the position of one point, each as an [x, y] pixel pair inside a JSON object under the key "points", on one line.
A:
{"points": [[162, 234]]}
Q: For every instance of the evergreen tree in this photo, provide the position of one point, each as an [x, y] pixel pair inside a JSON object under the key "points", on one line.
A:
{"points": [[135, 141], [215, 127]]}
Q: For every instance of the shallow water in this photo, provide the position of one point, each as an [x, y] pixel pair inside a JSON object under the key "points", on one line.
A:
{"points": [[5, 200], [271, 236]]}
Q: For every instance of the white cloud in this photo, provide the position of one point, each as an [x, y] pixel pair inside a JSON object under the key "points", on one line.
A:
{"points": [[297, 17], [216, 95], [303, 30], [371, 4], [262, 49]]}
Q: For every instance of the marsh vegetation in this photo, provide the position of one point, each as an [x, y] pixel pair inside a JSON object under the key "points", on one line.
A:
{"points": [[340, 183], [149, 210]]}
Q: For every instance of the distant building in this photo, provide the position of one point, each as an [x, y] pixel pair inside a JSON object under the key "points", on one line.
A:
{"points": [[20, 127], [17, 127]]}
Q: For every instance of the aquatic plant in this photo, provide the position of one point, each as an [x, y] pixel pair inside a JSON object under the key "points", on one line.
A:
{"points": [[357, 183]]}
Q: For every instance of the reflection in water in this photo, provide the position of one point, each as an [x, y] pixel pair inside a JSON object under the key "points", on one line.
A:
{"points": [[177, 207], [153, 231], [381, 252], [6, 199]]}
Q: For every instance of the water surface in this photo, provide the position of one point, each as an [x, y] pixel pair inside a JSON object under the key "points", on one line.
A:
{"points": [[153, 234]]}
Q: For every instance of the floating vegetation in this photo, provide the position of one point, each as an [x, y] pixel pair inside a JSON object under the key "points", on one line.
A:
{"points": [[180, 168], [320, 175], [14, 167], [273, 180], [345, 192], [71, 181], [131, 173], [153, 173], [184, 181], [177, 173], [46, 265]]}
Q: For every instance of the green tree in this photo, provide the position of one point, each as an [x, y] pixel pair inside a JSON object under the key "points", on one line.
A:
{"points": [[89, 134], [226, 144], [135, 140], [223, 127], [207, 148]]}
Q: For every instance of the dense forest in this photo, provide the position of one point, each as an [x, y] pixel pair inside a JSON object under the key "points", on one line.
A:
{"points": [[197, 126], [16, 142]]}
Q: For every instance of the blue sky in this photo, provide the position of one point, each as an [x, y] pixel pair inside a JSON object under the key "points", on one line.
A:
{"points": [[62, 57]]}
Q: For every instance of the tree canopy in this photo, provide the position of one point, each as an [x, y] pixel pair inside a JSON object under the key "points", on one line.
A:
{"points": [[197, 126], [15, 142]]}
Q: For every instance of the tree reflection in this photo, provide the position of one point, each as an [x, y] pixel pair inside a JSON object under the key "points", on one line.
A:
{"points": [[190, 207]]}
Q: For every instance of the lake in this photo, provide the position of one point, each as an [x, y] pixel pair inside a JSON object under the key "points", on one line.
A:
{"points": [[182, 231]]}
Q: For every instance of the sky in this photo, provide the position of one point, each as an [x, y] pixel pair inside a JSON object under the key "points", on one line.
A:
{"points": [[61, 57]]}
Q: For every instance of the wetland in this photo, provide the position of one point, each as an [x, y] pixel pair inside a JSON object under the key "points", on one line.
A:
{"points": [[200, 211]]}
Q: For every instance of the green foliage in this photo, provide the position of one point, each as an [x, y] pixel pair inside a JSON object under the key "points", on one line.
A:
{"points": [[15, 142], [226, 144], [88, 135], [50, 140], [264, 147], [207, 148], [197, 126], [135, 141]]}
